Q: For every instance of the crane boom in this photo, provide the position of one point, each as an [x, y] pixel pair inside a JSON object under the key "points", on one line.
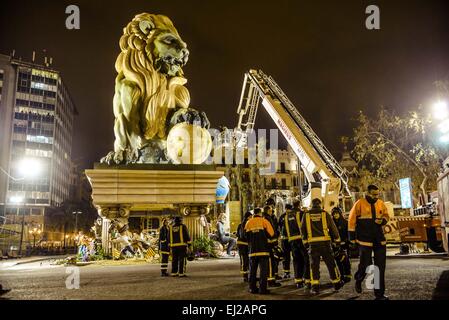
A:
{"points": [[317, 162]]}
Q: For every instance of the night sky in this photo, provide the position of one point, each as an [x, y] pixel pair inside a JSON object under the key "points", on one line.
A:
{"points": [[319, 52]]}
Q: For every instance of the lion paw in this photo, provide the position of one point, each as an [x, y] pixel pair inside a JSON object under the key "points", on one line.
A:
{"points": [[113, 158]]}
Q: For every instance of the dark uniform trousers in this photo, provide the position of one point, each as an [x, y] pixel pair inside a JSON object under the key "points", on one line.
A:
{"points": [[262, 263], [324, 250], [343, 262], [366, 260], [273, 265], [286, 248], [301, 263], [244, 260], [164, 261], [179, 260]]}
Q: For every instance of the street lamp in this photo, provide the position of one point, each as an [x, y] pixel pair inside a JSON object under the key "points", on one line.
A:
{"points": [[65, 239], [76, 213], [35, 232], [17, 200], [29, 167], [441, 114], [440, 110]]}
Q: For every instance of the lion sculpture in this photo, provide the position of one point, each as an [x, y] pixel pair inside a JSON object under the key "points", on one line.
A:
{"points": [[150, 96]]}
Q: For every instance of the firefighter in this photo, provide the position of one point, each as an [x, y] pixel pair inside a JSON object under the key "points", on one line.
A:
{"points": [[164, 249], [286, 247], [318, 231], [290, 230], [180, 243], [366, 219], [342, 253], [272, 242], [242, 245], [258, 230], [302, 249]]}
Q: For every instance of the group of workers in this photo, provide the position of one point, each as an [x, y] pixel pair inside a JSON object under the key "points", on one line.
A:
{"points": [[309, 236], [174, 239]]}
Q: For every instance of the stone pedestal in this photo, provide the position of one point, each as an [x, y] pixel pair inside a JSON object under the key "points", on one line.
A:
{"points": [[186, 190]]}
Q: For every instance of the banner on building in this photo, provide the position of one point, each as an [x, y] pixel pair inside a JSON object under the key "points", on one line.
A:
{"points": [[405, 187]]}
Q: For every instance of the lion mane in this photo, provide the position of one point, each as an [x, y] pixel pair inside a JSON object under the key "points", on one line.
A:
{"points": [[157, 92]]}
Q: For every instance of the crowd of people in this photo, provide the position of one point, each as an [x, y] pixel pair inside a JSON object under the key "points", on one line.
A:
{"points": [[305, 236], [300, 237]]}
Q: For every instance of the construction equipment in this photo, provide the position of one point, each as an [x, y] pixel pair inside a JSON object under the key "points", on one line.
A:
{"points": [[319, 166]]}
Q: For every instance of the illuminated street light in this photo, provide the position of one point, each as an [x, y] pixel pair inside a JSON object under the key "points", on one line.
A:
{"points": [[443, 126], [445, 138], [35, 232], [440, 110], [16, 199], [29, 167]]}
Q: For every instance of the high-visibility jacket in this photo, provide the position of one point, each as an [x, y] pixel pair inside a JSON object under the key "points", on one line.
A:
{"points": [[290, 224], [164, 240], [274, 223], [317, 226], [179, 236], [342, 226], [241, 235], [258, 230], [362, 226]]}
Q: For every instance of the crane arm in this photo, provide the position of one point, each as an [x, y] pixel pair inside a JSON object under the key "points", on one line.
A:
{"points": [[318, 163]]}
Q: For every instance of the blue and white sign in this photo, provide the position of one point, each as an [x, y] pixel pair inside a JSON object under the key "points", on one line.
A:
{"points": [[405, 187]]}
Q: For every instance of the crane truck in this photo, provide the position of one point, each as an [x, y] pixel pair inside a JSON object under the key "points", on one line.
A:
{"points": [[326, 177]]}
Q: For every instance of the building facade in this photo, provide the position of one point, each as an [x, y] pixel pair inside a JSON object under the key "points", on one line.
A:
{"points": [[36, 124]]}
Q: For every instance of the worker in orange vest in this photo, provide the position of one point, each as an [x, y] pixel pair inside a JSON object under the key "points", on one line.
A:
{"points": [[366, 219]]}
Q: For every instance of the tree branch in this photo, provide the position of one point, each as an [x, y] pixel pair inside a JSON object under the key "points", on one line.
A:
{"points": [[422, 185]]}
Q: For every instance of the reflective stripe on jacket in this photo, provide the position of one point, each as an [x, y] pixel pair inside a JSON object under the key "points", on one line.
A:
{"points": [[164, 240], [258, 230], [179, 236], [318, 226], [274, 223], [241, 236], [362, 222], [290, 226]]}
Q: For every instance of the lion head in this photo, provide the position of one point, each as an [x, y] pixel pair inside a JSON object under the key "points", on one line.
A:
{"points": [[152, 56]]}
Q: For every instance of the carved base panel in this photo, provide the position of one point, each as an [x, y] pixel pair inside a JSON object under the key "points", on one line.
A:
{"points": [[118, 191]]}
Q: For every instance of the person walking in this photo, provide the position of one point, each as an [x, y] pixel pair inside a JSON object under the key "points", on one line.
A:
{"points": [[180, 243], [342, 253], [258, 230], [242, 245], [164, 247], [318, 231], [366, 219]]}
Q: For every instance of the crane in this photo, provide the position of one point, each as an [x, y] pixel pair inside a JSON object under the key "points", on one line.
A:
{"points": [[326, 177]]}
